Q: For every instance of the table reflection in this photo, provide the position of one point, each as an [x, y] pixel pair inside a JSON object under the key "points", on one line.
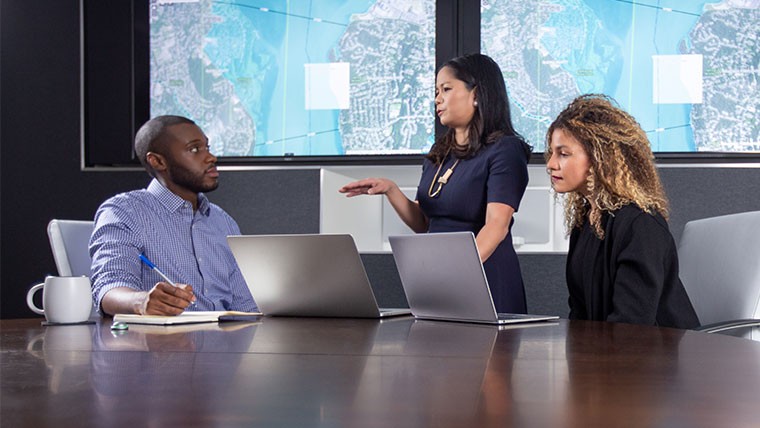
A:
{"points": [[159, 375], [304, 370], [64, 349], [353, 372], [635, 382], [446, 374]]}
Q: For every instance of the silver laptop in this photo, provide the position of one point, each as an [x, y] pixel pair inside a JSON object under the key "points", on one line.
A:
{"points": [[307, 275], [444, 279]]}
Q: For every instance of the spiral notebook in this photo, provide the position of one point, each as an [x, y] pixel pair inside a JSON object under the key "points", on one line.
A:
{"points": [[187, 317]]}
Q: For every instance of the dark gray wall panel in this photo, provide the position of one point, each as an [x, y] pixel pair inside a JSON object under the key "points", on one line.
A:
{"points": [[383, 275], [544, 279], [708, 192], [271, 201]]}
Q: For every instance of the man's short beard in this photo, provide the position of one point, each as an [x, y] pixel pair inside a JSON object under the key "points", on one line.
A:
{"points": [[184, 178]]}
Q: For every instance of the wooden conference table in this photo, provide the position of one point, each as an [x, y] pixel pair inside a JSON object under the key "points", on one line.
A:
{"points": [[304, 372]]}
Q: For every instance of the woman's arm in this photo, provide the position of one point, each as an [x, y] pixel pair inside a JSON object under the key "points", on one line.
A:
{"points": [[498, 218], [409, 211], [641, 260], [506, 183]]}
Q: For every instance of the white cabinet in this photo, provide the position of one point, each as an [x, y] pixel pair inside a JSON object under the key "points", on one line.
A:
{"points": [[370, 219]]}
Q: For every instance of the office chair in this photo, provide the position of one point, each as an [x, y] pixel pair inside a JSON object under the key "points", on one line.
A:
{"points": [[720, 269], [69, 240]]}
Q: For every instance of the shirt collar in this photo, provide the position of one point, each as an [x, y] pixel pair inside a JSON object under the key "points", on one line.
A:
{"points": [[172, 202], [204, 206]]}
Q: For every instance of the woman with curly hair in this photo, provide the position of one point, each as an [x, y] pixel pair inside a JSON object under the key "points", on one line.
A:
{"points": [[622, 265]]}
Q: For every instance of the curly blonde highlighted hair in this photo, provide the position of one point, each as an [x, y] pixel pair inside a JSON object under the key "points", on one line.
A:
{"points": [[622, 167]]}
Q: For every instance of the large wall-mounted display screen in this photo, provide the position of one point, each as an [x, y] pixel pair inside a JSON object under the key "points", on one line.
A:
{"points": [[323, 82], [291, 79], [687, 70]]}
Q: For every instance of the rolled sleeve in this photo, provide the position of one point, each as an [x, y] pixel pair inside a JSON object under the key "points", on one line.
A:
{"points": [[189, 245], [114, 248]]}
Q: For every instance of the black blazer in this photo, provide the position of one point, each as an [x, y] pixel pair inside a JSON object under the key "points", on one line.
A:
{"points": [[631, 276]]}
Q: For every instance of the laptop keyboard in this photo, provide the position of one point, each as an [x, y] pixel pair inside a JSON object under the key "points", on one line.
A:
{"points": [[506, 316]]}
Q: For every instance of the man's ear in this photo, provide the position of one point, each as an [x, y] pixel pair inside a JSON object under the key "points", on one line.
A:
{"points": [[156, 161]]}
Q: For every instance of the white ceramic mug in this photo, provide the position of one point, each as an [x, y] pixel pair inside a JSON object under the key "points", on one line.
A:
{"points": [[65, 299]]}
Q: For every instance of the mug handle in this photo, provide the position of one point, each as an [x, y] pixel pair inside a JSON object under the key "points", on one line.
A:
{"points": [[30, 299], [30, 347]]}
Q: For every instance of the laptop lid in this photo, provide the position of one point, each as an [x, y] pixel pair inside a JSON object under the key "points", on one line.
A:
{"points": [[306, 275], [443, 278]]}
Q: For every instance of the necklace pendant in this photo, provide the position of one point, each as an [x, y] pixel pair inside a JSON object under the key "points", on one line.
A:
{"points": [[445, 177]]}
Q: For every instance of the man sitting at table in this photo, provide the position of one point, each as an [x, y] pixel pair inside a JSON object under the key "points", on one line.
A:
{"points": [[173, 225]]}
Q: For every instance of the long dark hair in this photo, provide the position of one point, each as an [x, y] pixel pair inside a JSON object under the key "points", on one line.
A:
{"points": [[492, 118]]}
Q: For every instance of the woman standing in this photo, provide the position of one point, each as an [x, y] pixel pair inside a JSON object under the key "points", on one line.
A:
{"points": [[474, 176], [622, 264]]}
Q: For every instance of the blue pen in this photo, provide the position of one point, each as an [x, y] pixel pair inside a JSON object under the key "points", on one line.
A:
{"points": [[157, 270]]}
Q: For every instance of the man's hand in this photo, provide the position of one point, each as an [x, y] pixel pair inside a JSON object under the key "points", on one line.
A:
{"points": [[166, 299]]}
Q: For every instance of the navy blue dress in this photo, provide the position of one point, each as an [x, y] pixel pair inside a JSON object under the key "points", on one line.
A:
{"points": [[497, 173]]}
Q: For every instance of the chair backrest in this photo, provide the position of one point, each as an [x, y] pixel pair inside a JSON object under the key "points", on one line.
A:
{"points": [[720, 267], [69, 240]]}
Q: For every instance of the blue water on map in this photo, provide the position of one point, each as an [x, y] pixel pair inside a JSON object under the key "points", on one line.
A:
{"points": [[289, 38], [659, 32]]}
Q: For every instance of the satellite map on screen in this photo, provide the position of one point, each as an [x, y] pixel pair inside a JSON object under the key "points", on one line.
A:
{"points": [[297, 78], [687, 70]]}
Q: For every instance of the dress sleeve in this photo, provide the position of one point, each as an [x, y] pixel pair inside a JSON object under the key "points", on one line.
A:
{"points": [[421, 190], [508, 173], [642, 254]]}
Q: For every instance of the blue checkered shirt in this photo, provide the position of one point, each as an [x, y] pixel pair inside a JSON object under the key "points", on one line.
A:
{"points": [[189, 248]]}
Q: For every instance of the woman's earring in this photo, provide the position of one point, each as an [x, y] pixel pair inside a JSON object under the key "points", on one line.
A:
{"points": [[475, 103]]}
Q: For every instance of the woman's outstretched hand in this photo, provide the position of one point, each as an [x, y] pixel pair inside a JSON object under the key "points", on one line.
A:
{"points": [[368, 186]]}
